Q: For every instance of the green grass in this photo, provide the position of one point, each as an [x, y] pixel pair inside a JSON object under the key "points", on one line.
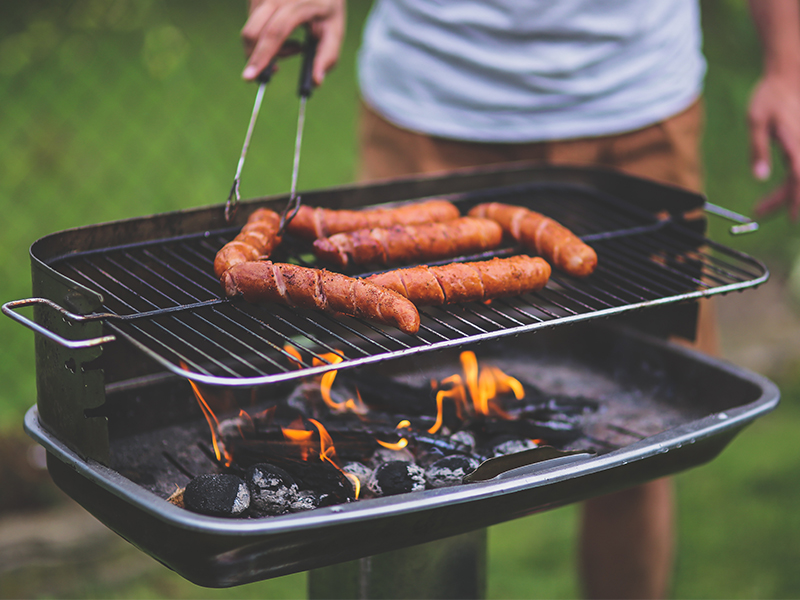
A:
{"points": [[120, 109]]}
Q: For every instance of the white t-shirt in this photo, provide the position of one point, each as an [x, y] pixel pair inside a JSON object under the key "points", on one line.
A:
{"points": [[530, 70]]}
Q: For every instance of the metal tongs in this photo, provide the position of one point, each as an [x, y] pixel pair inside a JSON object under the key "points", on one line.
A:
{"points": [[306, 85]]}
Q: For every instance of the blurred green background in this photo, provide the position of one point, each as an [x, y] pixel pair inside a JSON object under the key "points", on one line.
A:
{"points": [[112, 109]]}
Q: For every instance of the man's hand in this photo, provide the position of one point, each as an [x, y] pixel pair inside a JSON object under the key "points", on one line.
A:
{"points": [[774, 112], [271, 22]]}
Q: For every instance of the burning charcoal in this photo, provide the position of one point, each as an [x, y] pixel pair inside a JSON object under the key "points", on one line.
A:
{"points": [[272, 490], [360, 470], [513, 446], [305, 500], [427, 456], [221, 495], [396, 477], [384, 455], [449, 471], [463, 441]]}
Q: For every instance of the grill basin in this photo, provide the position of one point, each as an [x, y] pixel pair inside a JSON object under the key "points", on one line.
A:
{"points": [[710, 401]]}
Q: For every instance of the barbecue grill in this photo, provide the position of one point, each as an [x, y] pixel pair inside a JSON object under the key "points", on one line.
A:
{"points": [[126, 312]]}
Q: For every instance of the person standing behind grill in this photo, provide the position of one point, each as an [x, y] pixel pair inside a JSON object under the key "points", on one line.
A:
{"points": [[613, 83]]}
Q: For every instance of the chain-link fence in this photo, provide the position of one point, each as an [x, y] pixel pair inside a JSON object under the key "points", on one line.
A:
{"points": [[118, 108]]}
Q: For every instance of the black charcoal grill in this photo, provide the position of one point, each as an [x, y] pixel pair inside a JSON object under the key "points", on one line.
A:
{"points": [[128, 311]]}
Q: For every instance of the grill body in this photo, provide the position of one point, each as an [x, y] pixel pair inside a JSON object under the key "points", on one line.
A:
{"points": [[119, 279]]}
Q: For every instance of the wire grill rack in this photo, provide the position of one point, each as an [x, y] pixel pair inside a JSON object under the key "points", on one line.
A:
{"points": [[162, 296]]}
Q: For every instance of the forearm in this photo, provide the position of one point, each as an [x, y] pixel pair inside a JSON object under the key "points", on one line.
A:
{"points": [[778, 26]]}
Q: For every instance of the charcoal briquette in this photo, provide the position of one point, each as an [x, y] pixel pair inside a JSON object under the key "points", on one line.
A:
{"points": [[396, 477], [449, 470], [463, 441], [221, 495], [272, 490], [383, 455], [360, 470]]}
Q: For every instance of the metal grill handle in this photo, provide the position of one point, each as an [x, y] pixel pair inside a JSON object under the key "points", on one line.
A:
{"points": [[746, 224], [10, 307]]}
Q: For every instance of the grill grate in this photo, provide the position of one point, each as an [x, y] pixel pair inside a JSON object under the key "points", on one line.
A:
{"points": [[163, 297]]}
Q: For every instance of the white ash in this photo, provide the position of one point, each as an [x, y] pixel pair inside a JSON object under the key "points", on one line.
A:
{"points": [[463, 440], [384, 455], [513, 446], [360, 470], [305, 500], [396, 477], [449, 471], [272, 490]]}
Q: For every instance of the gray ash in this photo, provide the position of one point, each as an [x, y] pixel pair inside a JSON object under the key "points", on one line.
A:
{"points": [[449, 471]]}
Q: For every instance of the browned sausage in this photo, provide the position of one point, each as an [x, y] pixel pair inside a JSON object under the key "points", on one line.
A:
{"points": [[410, 243], [257, 240], [543, 235], [311, 223], [265, 281], [467, 282]]}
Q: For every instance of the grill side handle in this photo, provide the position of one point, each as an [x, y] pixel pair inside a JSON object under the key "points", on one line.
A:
{"points": [[9, 309], [746, 224]]}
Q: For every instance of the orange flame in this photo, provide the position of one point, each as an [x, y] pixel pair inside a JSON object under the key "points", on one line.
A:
{"points": [[296, 357], [327, 452], [300, 437], [213, 424], [457, 393], [398, 445], [246, 418], [483, 385]]}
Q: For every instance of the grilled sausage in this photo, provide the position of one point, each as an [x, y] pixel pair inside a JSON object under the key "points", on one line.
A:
{"points": [[265, 281], [467, 282], [311, 223], [543, 235], [256, 241], [410, 243]]}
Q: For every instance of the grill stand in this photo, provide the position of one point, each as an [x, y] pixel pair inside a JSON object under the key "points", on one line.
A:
{"points": [[453, 567]]}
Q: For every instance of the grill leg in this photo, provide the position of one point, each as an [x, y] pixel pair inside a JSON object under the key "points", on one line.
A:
{"points": [[454, 567]]}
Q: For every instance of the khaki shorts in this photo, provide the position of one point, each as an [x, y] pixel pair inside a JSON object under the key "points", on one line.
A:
{"points": [[668, 152]]}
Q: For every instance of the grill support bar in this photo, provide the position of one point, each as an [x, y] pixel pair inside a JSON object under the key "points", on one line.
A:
{"points": [[453, 567]]}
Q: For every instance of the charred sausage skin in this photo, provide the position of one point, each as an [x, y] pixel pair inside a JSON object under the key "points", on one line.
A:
{"points": [[257, 239], [292, 285], [410, 243], [312, 223], [543, 235], [467, 282]]}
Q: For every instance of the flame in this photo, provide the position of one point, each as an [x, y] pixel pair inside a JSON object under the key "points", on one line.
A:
{"points": [[295, 357], [399, 445], [222, 455], [298, 436], [246, 418], [483, 384], [327, 452], [457, 393], [405, 423]]}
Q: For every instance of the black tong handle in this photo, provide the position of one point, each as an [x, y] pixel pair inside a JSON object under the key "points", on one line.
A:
{"points": [[307, 70]]}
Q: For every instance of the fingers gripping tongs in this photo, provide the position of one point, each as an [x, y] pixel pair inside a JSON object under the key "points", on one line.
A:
{"points": [[305, 87]]}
